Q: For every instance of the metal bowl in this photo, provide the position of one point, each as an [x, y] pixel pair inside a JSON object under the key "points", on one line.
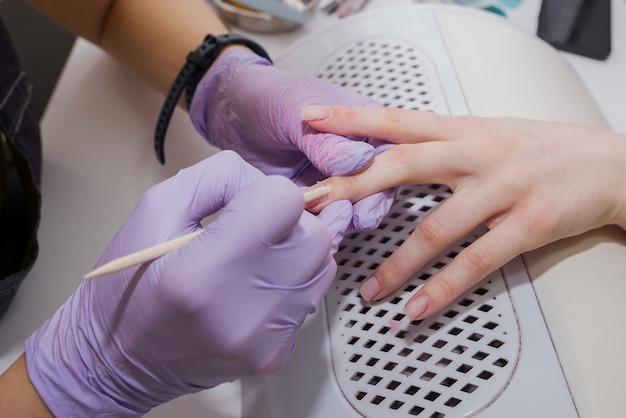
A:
{"points": [[257, 21]]}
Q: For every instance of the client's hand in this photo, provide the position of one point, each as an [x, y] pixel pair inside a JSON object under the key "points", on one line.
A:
{"points": [[228, 304], [529, 182], [245, 104]]}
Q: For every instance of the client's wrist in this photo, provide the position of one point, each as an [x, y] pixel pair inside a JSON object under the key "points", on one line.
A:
{"points": [[194, 70]]}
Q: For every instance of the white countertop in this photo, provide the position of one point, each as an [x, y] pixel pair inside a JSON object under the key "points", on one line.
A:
{"points": [[99, 159]]}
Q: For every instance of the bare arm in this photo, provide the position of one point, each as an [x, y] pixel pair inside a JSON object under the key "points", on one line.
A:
{"points": [[18, 397], [151, 37]]}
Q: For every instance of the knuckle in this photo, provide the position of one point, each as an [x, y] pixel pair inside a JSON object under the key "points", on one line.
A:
{"points": [[431, 232], [476, 260]]}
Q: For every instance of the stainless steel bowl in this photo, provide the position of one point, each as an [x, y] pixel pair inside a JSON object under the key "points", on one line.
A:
{"points": [[257, 21]]}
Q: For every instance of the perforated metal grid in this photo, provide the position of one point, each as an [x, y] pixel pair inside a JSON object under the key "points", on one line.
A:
{"points": [[452, 364]]}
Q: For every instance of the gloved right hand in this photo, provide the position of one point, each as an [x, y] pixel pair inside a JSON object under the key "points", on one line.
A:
{"points": [[227, 304]]}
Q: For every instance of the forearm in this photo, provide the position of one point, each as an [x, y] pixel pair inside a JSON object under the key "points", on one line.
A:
{"points": [[151, 37], [18, 397]]}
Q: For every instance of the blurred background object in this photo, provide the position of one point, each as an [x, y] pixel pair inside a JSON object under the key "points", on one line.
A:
{"points": [[255, 20]]}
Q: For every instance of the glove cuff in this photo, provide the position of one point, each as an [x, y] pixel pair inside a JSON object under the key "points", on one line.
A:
{"points": [[198, 62]]}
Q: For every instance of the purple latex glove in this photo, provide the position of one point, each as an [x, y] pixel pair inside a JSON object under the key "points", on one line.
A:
{"points": [[228, 304], [245, 104]]}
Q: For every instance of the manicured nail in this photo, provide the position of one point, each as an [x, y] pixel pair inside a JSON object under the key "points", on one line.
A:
{"points": [[416, 307], [314, 113], [370, 288]]}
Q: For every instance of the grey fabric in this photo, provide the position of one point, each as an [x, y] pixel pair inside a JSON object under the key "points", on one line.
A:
{"points": [[21, 197]]}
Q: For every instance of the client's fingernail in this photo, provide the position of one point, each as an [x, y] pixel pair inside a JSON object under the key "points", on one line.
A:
{"points": [[370, 288], [416, 307], [314, 113]]}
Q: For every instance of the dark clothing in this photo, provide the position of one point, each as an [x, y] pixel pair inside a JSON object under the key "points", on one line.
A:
{"points": [[20, 174]]}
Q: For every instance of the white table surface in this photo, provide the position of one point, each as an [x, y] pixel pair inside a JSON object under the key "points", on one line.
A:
{"points": [[99, 159]]}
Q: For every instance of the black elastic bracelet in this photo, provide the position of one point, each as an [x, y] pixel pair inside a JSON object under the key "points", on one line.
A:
{"points": [[198, 62]]}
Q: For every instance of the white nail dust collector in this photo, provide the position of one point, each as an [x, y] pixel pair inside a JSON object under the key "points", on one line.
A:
{"points": [[489, 353]]}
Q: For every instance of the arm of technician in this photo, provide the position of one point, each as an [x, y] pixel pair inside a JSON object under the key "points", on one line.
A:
{"points": [[226, 305], [529, 182]]}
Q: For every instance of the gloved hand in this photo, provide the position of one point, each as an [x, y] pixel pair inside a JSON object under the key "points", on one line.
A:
{"points": [[245, 104], [225, 305]]}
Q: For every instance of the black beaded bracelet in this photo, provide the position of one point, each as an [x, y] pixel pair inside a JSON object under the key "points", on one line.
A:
{"points": [[198, 62]]}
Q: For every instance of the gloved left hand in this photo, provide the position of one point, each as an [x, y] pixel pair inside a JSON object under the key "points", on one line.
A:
{"points": [[245, 104], [227, 304]]}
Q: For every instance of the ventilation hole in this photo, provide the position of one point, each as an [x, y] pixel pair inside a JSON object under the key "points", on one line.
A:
{"points": [[490, 325], [367, 326], [410, 288], [428, 376], [396, 405], [443, 362], [401, 334], [481, 291], [500, 362], [348, 307], [452, 254], [396, 300], [469, 388], [437, 415], [378, 399], [372, 361], [420, 338], [424, 357], [452, 402], [485, 308], [480, 355], [432, 395], [416, 410], [365, 310], [357, 376], [439, 343], [455, 331], [360, 395], [496, 343], [451, 314], [464, 368], [408, 371], [393, 385], [475, 336], [387, 347], [390, 365], [399, 317], [369, 343], [383, 330], [350, 323], [381, 313], [353, 340], [470, 319], [459, 349], [355, 358], [375, 380], [466, 302], [435, 325], [448, 381], [485, 375], [412, 390]]}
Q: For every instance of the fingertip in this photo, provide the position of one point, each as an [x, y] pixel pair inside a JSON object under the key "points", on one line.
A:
{"points": [[315, 113], [418, 306]]}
